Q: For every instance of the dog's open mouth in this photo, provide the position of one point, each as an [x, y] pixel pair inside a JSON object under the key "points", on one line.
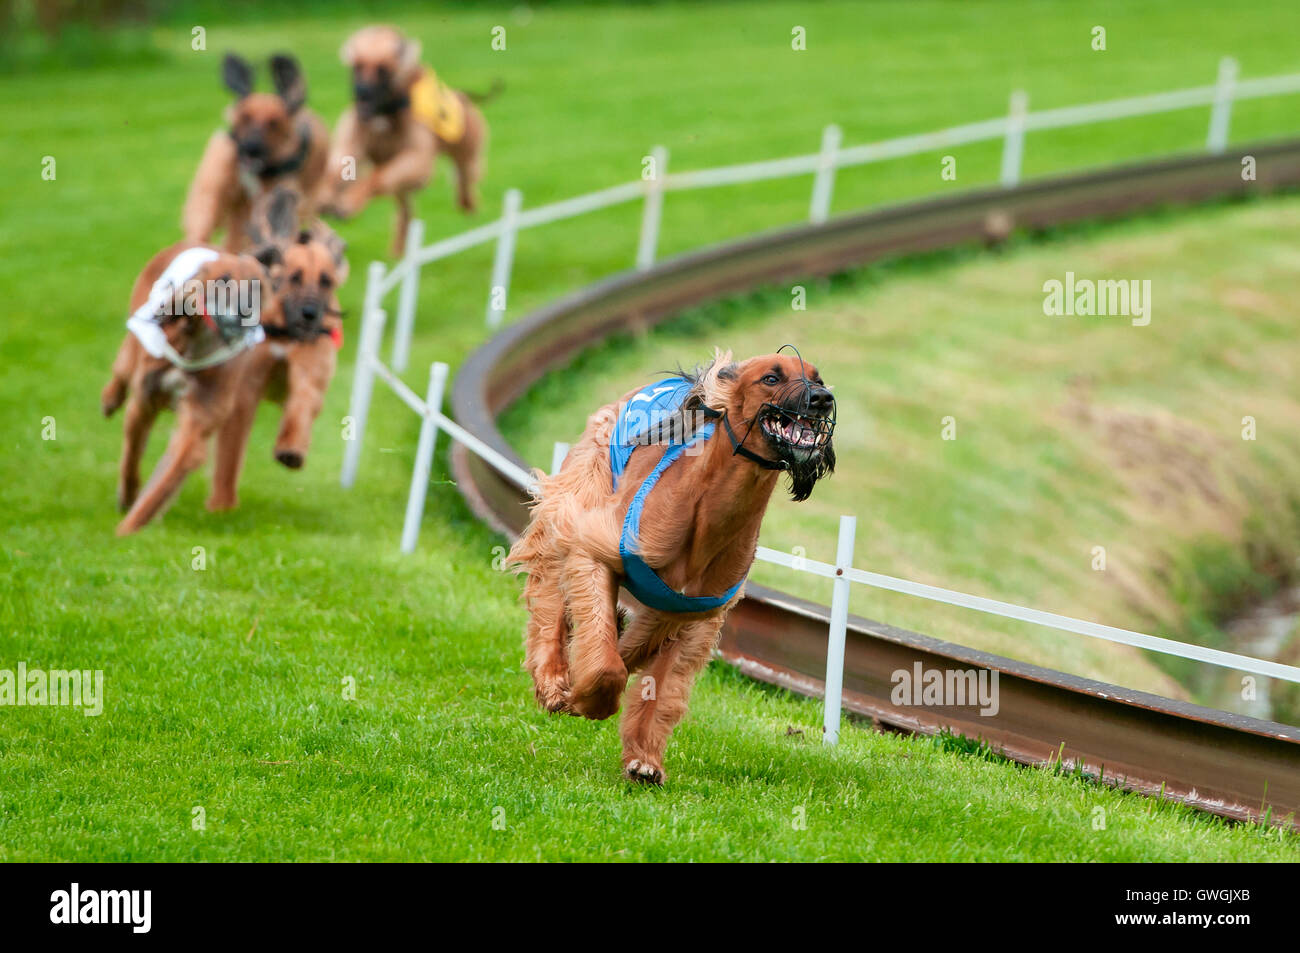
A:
{"points": [[798, 435]]}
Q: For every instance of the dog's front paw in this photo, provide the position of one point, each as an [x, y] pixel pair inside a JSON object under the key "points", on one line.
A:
{"points": [[290, 458], [218, 503], [644, 771], [553, 694], [599, 698]]}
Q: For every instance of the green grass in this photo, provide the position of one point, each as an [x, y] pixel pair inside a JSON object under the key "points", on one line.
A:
{"points": [[225, 686]]}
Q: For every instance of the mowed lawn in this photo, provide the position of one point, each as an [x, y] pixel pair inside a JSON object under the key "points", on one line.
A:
{"points": [[225, 685]]}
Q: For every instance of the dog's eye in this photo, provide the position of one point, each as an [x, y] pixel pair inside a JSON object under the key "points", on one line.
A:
{"points": [[771, 380], [296, 278], [325, 281]]}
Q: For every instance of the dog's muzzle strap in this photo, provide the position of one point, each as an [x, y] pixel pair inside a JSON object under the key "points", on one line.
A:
{"points": [[737, 447]]}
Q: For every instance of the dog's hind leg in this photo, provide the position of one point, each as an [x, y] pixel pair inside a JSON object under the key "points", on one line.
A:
{"points": [[185, 453], [596, 671], [403, 222], [468, 173], [232, 446], [656, 701], [642, 637], [468, 155]]}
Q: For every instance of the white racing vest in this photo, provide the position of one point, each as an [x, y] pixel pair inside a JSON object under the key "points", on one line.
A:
{"points": [[219, 343]]}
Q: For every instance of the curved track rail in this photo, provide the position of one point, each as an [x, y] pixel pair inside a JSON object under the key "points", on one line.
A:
{"points": [[1229, 764]]}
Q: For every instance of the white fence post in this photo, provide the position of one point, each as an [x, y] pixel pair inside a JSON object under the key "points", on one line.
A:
{"points": [[558, 453], [839, 624], [410, 292], [648, 244], [424, 457], [499, 291], [363, 380], [1221, 113], [1013, 146], [824, 180]]}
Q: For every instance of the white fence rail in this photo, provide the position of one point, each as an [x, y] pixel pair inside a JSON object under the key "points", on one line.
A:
{"points": [[822, 165]]}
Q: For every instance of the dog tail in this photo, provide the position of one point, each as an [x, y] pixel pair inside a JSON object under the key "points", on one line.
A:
{"points": [[482, 99]]}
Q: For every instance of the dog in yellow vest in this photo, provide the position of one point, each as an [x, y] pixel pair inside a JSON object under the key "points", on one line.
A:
{"points": [[401, 118]]}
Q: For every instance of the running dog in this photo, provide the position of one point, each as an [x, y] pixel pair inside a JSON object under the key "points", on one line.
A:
{"points": [[663, 495], [195, 315], [294, 365], [272, 140], [402, 117]]}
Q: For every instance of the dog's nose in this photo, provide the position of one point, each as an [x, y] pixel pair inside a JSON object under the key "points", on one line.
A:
{"points": [[310, 311], [253, 148], [820, 400]]}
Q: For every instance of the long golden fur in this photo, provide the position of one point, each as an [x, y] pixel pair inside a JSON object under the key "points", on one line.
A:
{"points": [[699, 532]]}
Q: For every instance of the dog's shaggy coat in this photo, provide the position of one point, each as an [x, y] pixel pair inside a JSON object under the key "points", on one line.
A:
{"points": [[699, 532]]}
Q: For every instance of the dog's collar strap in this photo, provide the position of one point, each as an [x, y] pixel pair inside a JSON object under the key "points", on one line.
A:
{"points": [[295, 161], [638, 576], [289, 165], [275, 331], [738, 447]]}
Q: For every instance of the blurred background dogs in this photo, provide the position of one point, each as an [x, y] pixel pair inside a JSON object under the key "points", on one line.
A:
{"points": [[272, 140], [295, 363], [212, 334], [402, 117]]}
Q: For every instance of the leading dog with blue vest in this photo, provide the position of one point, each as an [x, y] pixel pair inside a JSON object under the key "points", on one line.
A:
{"points": [[663, 496]]}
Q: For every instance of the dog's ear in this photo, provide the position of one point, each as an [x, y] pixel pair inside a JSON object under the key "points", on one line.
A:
{"points": [[268, 255], [337, 248], [237, 74], [408, 60], [348, 50], [288, 79]]}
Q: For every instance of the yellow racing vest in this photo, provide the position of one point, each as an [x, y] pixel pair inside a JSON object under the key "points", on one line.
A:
{"points": [[438, 107]]}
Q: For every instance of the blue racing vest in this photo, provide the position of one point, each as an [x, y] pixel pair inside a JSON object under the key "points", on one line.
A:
{"points": [[644, 412]]}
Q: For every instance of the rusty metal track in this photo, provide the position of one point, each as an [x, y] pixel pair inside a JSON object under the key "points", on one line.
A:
{"points": [[1229, 764]]}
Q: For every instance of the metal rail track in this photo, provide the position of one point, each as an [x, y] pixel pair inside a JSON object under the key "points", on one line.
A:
{"points": [[1231, 765]]}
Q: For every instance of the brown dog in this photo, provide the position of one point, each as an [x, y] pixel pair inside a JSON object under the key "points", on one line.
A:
{"points": [[710, 446], [295, 364], [195, 314], [272, 140], [401, 119]]}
